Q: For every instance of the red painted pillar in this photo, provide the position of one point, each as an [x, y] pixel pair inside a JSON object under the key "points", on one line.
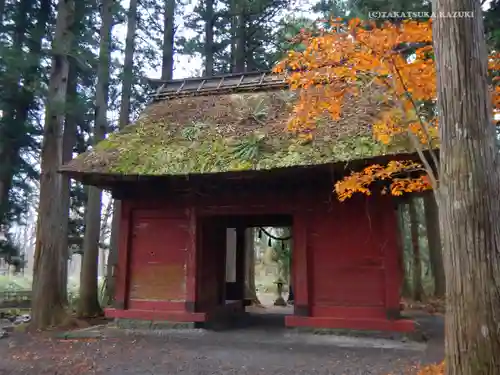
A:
{"points": [[191, 264], [300, 266], [124, 245]]}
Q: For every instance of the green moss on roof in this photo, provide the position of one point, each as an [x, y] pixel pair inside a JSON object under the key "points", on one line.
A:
{"points": [[231, 132]]}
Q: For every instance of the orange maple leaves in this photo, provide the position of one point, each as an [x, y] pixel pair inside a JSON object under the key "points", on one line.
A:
{"points": [[433, 369], [494, 68], [436, 369], [358, 55], [397, 60], [359, 182]]}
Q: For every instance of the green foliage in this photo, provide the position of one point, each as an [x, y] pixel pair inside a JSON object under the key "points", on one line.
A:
{"points": [[10, 251], [332, 8], [192, 132], [361, 8], [260, 110], [74, 294], [21, 34], [262, 28], [249, 148], [492, 25]]}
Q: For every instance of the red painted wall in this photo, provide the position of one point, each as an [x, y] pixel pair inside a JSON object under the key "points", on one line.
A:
{"points": [[347, 246]]}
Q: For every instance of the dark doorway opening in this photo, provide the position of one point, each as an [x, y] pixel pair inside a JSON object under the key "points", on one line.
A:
{"points": [[245, 270]]}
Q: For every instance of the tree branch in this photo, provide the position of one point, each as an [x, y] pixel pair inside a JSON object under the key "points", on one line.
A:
{"points": [[416, 142], [422, 124]]}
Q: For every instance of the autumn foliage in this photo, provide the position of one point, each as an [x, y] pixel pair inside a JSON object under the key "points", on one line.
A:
{"points": [[397, 60], [433, 369]]}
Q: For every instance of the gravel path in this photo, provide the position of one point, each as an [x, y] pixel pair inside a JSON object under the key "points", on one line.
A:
{"points": [[255, 352]]}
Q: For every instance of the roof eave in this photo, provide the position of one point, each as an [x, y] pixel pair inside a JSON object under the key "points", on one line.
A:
{"points": [[108, 180]]}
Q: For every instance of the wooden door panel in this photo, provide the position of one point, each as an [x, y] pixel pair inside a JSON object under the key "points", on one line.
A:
{"points": [[158, 258]]}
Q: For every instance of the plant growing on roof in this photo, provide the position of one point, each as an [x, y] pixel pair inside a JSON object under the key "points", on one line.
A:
{"points": [[287, 96], [250, 147], [192, 131], [260, 110], [253, 107]]}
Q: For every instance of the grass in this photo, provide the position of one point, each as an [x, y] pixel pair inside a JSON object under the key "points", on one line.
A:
{"points": [[15, 283], [23, 283]]}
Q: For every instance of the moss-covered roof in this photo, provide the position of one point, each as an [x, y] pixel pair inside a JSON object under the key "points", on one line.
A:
{"points": [[231, 132]]}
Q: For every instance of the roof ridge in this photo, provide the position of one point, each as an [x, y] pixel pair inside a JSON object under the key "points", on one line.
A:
{"points": [[216, 85]]}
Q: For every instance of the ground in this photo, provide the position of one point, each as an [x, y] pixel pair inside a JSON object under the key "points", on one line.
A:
{"points": [[253, 351]]}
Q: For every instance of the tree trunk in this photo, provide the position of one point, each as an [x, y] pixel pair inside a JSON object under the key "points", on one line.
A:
{"points": [[418, 290], [69, 135], [468, 202], [239, 30], [113, 251], [128, 77], [251, 64], [406, 290], [48, 301], [250, 287], [405, 285], [435, 245], [103, 251], [209, 37], [88, 303], [233, 18], [69, 140], [167, 68], [128, 65]]}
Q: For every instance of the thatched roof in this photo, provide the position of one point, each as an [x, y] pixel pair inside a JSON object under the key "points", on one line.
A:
{"points": [[231, 132]]}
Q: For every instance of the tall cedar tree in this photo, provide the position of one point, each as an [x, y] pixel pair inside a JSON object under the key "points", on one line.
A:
{"points": [[418, 289], [49, 301], [469, 190], [70, 129], [167, 67], [209, 17], [434, 242], [88, 303], [126, 94]]}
